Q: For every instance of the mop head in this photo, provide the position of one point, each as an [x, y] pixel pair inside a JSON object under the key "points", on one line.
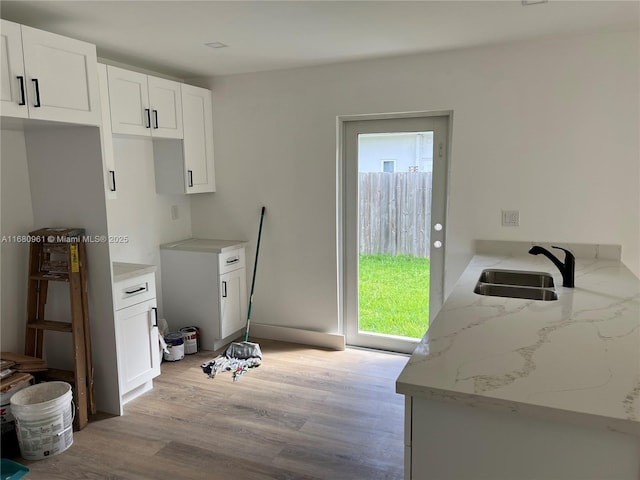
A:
{"points": [[238, 358], [244, 350]]}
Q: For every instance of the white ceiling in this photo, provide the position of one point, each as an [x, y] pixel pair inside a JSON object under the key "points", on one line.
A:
{"points": [[169, 36]]}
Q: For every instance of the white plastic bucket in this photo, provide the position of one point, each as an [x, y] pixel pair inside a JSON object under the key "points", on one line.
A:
{"points": [[175, 345], [190, 337], [44, 419]]}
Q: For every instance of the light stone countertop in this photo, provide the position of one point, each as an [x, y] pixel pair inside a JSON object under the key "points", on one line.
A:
{"points": [[576, 359], [204, 245], [125, 271]]}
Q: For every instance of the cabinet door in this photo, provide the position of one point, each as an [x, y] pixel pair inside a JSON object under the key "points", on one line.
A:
{"points": [[137, 345], [61, 76], [233, 302], [108, 159], [166, 108], [13, 94], [197, 115], [129, 102]]}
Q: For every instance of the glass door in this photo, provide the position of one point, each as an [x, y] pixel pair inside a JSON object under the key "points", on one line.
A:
{"points": [[394, 215]]}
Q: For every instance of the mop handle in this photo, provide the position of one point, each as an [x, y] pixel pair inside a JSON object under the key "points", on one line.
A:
{"points": [[253, 281]]}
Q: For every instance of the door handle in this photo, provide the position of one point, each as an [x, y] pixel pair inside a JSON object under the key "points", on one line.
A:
{"points": [[112, 187], [148, 114], [37, 87], [190, 175], [23, 97], [155, 316], [155, 116], [224, 289]]}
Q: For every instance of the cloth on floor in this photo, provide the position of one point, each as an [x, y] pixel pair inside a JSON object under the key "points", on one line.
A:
{"points": [[224, 363]]}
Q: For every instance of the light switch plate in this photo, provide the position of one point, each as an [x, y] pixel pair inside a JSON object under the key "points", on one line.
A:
{"points": [[510, 218]]}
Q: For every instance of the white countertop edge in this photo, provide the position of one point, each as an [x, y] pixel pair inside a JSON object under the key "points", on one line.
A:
{"points": [[512, 407], [204, 245], [125, 271]]}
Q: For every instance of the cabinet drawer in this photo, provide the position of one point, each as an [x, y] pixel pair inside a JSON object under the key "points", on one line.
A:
{"points": [[230, 261], [134, 290]]}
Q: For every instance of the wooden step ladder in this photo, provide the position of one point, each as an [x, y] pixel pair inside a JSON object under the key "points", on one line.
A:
{"points": [[58, 255]]}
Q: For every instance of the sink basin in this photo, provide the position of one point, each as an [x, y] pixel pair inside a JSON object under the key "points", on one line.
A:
{"points": [[514, 291], [516, 284], [517, 277]]}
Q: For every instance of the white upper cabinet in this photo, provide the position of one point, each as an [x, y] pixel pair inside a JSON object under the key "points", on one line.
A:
{"points": [[144, 105], [187, 166], [106, 136], [166, 108], [12, 81], [48, 77], [197, 113]]}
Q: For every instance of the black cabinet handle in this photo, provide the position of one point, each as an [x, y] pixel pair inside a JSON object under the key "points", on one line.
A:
{"points": [[155, 316], [224, 289], [131, 292], [112, 187], [190, 175], [148, 114], [155, 116], [232, 261], [37, 87], [23, 98]]}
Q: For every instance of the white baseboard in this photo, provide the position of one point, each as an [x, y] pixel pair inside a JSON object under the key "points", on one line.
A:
{"points": [[333, 341], [135, 393]]}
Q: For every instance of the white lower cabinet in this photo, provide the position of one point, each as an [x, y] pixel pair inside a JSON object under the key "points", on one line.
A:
{"points": [[451, 440], [204, 285], [136, 325], [233, 297]]}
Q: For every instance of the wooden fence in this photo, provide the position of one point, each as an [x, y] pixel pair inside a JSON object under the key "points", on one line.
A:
{"points": [[395, 213]]}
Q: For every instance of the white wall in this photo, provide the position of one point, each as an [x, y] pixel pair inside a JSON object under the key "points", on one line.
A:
{"points": [[138, 212], [546, 127], [66, 181], [16, 219]]}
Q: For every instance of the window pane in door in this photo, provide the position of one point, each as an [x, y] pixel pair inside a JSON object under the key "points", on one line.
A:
{"points": [[394, 217]]}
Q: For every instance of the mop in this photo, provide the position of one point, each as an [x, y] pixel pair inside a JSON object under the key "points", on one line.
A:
{"points": [[240, 356]]}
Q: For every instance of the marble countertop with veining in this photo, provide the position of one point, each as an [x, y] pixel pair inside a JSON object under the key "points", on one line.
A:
{"points": [[576, 359]]}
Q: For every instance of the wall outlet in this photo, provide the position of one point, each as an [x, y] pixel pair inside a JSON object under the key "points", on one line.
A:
{"points": [[510, 218], [174, 212]]}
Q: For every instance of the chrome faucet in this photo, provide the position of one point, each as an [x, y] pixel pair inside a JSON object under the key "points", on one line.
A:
{"points": [[567, 268]]}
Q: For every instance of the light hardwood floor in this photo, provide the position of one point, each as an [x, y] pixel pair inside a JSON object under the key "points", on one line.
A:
{"points": [[305, 414]]}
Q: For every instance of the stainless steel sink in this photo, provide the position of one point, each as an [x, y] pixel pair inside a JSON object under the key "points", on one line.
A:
{"points": [[516, 284], [513, 291], [517, 277]]}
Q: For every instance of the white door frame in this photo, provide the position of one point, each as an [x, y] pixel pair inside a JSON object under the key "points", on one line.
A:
{"points": [[437, 297]]}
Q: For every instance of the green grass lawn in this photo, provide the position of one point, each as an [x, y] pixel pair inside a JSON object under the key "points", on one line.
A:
{"points": [[394, 295]]}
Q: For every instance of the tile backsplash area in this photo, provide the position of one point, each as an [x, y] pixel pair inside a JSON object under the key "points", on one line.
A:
{"points": [[580, 250]]}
